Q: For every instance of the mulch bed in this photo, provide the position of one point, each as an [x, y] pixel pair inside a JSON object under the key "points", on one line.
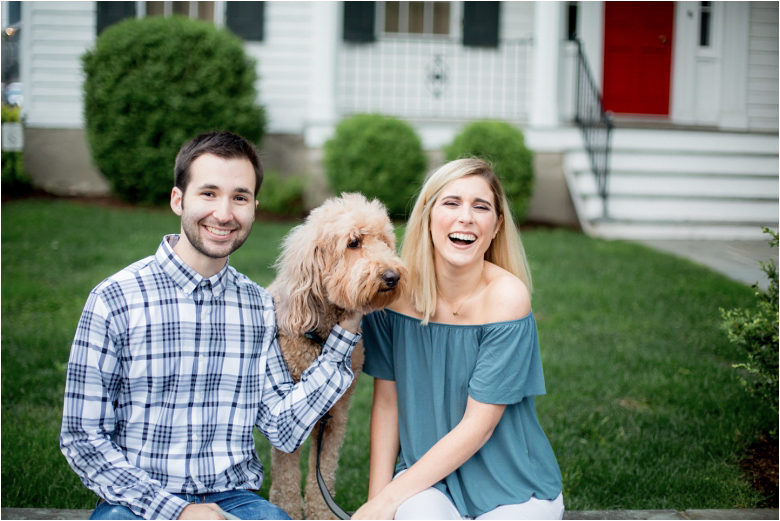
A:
{"points": [[760, 465]]}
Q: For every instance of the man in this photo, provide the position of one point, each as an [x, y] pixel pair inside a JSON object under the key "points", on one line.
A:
{"points": [[175, 360]]}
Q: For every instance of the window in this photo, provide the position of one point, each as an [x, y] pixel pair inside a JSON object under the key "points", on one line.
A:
{"points": [[705, 24], [414, 18], [245, 19], [199, 10]]}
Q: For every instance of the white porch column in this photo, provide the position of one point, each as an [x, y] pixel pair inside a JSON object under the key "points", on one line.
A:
{"points": [[546, 56], [325, 33], [734, 67]]}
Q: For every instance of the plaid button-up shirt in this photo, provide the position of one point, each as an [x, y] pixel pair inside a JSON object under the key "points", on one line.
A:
{"points": [[168, 374]]}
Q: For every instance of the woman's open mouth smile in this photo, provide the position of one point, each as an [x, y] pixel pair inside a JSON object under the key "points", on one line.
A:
{"points": [[462, 239]]}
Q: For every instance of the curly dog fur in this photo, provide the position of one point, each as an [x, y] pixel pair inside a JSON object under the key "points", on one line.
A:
{"points": [[341, 259]]}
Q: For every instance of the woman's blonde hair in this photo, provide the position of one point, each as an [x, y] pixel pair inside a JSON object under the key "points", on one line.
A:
{"points": [[506, 250]]}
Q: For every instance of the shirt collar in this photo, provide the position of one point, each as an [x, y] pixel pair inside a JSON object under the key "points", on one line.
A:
{"points": [[183, 275]]}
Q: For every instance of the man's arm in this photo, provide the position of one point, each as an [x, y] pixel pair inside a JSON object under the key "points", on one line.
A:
{"points": [[88, 421], [289, 411]]}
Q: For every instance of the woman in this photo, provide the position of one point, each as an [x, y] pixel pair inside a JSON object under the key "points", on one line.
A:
{"points": [[456, 366]]}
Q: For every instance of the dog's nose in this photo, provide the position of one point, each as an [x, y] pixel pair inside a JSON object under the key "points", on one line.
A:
{"points": [[391, 278]]}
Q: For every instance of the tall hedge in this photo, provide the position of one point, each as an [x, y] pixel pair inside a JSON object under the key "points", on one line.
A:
{"points": [[380, 156], [504, 146], [154, 83]]}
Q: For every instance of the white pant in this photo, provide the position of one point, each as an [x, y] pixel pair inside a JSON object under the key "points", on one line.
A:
{"points": [[434, 504]]}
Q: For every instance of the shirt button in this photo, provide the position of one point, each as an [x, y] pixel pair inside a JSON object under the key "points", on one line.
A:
{"points": [[195, 437]]}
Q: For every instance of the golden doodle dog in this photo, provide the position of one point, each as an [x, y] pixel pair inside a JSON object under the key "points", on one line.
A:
{"points": [[341, 259]]}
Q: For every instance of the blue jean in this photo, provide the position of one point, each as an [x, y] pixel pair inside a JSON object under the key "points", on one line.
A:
{"points": [[243, 504]]}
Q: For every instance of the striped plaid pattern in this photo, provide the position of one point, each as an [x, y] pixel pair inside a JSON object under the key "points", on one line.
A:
{"points": [[168, 374]]}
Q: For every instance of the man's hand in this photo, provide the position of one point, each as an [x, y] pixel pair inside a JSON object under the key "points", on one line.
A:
{"points": [[201, 511], [351, 322]]}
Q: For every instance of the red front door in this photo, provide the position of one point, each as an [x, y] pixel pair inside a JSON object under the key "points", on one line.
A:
{"points": [[638, 56]]}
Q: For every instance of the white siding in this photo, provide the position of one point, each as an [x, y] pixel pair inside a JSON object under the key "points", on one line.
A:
{"points": [[441, 79], [762, 84], [395, 77], [284, 65], [54, 36], [517, 20]]}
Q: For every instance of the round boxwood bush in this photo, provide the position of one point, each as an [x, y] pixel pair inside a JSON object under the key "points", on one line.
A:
{"points": [[379, 156], [504, 146], [154, 83]]}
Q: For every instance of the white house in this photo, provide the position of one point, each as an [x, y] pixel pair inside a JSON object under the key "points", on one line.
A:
{"points": [[692, 86]]}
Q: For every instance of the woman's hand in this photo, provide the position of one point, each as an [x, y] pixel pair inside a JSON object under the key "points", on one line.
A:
{"points": [[376, 508]]}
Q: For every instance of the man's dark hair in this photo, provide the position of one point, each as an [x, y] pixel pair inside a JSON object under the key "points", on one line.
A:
{"points": [[221, 144]]}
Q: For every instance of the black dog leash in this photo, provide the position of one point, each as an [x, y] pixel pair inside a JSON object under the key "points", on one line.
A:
{"points": [[332, 505]]}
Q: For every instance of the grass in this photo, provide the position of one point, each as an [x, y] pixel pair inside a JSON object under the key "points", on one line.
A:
{"points": [[643, 409]]}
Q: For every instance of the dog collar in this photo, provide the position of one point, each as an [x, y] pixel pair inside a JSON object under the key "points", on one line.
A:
{"points": [[314, 337]]}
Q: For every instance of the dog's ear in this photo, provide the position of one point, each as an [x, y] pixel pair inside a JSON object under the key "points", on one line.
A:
{"points": [[299, 270]]}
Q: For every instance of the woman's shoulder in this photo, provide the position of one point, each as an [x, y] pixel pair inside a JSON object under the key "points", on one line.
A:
{"points": [[404, 306], [506, 296]]}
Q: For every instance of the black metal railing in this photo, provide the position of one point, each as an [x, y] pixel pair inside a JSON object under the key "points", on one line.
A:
{"points": [[596, 124]]}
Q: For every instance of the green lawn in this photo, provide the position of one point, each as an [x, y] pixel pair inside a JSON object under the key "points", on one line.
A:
{"points": [[643, 409]]}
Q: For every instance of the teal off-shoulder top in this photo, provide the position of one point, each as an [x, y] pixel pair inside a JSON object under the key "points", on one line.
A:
{"points": [[436, 368]]}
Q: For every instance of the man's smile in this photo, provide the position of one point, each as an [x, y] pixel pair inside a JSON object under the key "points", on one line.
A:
{"points": [[218, 231]]}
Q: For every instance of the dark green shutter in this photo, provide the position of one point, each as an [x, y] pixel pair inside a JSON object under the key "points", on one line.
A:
{"points": [[246, 19], [359, 20], [109, 13], [14, 12], [480, 24]]}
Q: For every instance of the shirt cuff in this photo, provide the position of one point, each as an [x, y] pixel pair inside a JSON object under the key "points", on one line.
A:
{"points": [[341, 342], [165, 506]]}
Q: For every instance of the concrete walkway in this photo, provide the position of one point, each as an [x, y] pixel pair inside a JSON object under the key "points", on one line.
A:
{"points": [[738, 260], [737, 514]]}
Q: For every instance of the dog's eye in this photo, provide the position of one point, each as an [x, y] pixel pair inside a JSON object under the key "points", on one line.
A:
{"points": [[354, 243]]}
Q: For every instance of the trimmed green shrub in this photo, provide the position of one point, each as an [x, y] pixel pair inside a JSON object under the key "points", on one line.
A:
{"points": [[380, 156], [15, 182], [154, 83], [504, 147], [281, 196], [756, 335]]}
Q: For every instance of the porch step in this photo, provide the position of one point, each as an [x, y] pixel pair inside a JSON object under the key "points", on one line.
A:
{"points": [[666, 184]]}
